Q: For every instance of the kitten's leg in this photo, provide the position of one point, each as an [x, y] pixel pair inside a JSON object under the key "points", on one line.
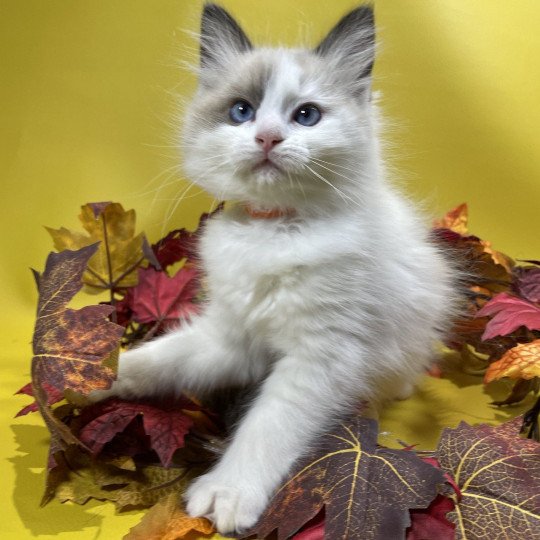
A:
{"points": [[196, 357], [295, 405]]}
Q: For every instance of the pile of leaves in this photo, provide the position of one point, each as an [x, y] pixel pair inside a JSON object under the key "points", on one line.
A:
{"points": [[479, 482]]}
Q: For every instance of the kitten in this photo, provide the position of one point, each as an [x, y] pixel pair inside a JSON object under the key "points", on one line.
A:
{"points": [[324, 288]]}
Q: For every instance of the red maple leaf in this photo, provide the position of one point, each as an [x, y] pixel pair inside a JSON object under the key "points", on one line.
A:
{"points": [[53, 396], [166, 424], [527, 282], [161, 299], [509, 313], [181, 243]]}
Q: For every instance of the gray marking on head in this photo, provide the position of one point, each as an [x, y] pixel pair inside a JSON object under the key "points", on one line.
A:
{"points": [[221, 36], [351, 43]]}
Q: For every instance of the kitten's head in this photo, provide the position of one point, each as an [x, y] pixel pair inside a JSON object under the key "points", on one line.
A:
{"points": [[281, 127]]}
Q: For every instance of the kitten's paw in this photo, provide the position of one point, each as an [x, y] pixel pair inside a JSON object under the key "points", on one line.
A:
{"points": [[231, 506]]}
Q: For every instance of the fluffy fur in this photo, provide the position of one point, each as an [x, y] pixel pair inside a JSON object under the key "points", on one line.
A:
{"points": [[336, 302]]}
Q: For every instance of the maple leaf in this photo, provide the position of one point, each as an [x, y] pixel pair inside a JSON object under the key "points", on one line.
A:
{"points": [[498, 476], [160, 299], [520, 362], [181, 243], [79, 478], [527, 282], [70, 345], [455, 220], [431, 523], [366, 491], [167, 521], [509, 313], [120, 252], [165, 425], [53, 396]]}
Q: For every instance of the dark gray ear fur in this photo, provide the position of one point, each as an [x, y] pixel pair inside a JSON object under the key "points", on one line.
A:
{"points": [[352, 42], [221, 36]]}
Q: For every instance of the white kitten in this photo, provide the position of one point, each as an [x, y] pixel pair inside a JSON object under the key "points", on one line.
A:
{"points": [[337, 298]]}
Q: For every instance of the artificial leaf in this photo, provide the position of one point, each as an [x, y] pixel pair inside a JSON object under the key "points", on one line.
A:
{"points": [[366, 491], [519, 392], [181, 243], [508, 314], [159, 299], [313, 529], [165, 425], [498, 476], [520, 362], [70, 345], [527, 282], [120, 252], [431, 523], [167, 521], [455, 220], [80, 478], [53, 396]]}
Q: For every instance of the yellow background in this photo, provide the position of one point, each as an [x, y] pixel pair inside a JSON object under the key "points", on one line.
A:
{"points": [[88, 94]]}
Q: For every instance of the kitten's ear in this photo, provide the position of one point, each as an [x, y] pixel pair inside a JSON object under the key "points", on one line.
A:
{"points": [[221, 37], [350, 45]]}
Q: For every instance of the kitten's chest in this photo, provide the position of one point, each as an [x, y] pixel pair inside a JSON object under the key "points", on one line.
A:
{"points": [[254, 270]]}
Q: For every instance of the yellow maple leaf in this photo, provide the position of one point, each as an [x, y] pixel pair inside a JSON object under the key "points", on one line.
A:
{"points": [[120, 252], [520, 362]]}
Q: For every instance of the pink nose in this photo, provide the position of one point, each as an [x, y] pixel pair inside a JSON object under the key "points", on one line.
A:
{"points": [[268, 141]]}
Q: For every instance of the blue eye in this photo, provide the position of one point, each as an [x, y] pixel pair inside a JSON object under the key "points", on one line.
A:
{"points": [[241, 112], [307, 115]]}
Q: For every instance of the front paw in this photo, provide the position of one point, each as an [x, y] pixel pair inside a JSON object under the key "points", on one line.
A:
{"points": [[232, 505]]}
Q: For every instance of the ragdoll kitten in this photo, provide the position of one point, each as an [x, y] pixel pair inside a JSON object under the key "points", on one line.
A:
{"points": [[324, 288]]}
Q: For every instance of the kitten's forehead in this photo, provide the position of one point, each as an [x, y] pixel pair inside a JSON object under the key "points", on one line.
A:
{"points": [[277, 77]]}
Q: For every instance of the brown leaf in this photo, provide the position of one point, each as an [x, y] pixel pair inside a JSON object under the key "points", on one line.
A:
{"points": [[367, 491], [498, 475], [167, 521], [78, 478], [71, 345], [120, 252], [520, 362]]}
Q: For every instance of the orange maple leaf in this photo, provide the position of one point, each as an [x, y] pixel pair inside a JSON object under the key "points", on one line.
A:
{"points": [[167, 521], [520, 362], [455, 220]]}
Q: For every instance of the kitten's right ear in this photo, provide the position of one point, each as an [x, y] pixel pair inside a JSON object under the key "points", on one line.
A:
{"points": [[221, 37]]}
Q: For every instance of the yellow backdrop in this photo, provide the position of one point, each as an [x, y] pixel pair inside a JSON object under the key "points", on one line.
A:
{"points": [[89, 90]]}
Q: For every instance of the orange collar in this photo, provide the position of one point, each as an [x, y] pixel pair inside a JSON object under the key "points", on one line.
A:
{"points": [[268, 214]]}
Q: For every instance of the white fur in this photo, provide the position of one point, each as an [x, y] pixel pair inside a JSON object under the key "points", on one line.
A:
{"points": [[339, 303]]}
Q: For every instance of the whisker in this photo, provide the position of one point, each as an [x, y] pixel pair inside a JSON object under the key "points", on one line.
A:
{"points": [[344, 196]]}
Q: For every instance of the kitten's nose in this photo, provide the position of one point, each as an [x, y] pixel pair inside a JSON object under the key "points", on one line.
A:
{"points": [[268, 140]]}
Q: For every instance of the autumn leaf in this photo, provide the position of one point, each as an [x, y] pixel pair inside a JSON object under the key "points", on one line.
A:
{"points": [[70, 345], [520, 362], [498, 476], [431, 523], [181, 243], [120, 252], [167, 521], [366, 491], [165, 425], [53, 396], [455, 220], [159, 299], [79, 478], [509, 313], [527, 282]]}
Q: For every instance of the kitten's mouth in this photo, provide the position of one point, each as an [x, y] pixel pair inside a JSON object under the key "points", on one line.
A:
{"points": [[265, 165]]}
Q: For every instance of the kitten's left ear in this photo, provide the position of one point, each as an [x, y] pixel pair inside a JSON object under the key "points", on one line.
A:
{"points": [[221, 37], [350, 45]]}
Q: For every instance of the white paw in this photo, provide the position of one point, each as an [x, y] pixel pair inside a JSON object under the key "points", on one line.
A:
{"points": [[232, 506]]}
